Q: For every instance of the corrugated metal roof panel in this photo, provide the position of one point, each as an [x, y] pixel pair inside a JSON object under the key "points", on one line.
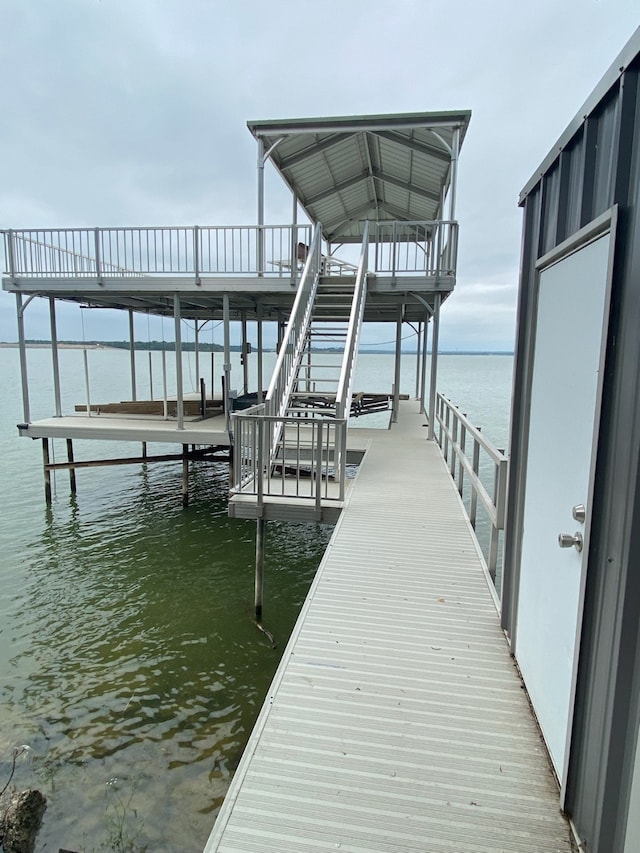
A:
{"points": [[407, 156]]}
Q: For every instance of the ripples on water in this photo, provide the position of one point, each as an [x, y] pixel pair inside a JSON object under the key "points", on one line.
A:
{"points": [[142, 679]]}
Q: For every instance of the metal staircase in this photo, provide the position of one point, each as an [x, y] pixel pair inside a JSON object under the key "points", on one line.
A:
{"points": [[293, 445]]}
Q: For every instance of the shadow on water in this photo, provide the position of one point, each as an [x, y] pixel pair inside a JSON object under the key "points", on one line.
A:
{"points": [[142, 681]]}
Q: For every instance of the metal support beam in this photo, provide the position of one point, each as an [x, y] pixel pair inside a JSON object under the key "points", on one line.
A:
{"points": [[423, 373], [196, 350], [396, 379], [23, 359], [132, 355], [54, 356], [260, 352], [418, 352], [227, 357], [179, 389], [435, 331], [261, 152], [245, 356], [454, 173], [259, 579]]}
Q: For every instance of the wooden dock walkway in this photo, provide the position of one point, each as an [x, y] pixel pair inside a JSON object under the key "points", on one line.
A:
{"points": [[396, 720]]}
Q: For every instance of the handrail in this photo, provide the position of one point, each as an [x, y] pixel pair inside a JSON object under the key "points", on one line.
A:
{"points": [[154, 250], [454, 428], [345, 383], [418, 246], [305, 466], [293, 341]]}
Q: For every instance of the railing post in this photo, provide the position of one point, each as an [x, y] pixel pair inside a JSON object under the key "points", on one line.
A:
{"points": [[475, 464], [454, 440], [196, 253], [11, 255], [318, 475], [463, 437], [96, 233]]}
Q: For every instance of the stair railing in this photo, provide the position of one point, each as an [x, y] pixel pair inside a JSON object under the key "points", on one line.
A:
{"points": [[292, 347]]}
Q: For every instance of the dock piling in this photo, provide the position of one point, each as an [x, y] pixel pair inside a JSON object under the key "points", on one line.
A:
{"points": [[185, 475], [72, 470], [47, 471], [259, 580]]}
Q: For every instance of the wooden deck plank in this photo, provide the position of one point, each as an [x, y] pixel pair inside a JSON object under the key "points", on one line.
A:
{"points": [[396, 720]]}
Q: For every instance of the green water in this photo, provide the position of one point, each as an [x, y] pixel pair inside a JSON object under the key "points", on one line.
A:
{"points": [[129, 661]]}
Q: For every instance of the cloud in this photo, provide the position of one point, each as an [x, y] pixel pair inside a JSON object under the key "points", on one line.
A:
{"points": [[120, 113]]}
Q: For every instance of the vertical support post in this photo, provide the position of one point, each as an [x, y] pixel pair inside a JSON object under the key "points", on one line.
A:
{"points": [[54, 356], [245, 356], [196, 350], [185, 475], [396, 379], [435, 332], [165, 404], [150, 377], [227, 358], [203, 398], [318, 473], [259, 579], [418, 345], [294, 241], [144, 449], [47, 472], [213, 375], [260, 207], [260, 352], [454, 173], [72, 470], [132, 355], [179, 390], [87, 387], [23, 359], [423, 370]]}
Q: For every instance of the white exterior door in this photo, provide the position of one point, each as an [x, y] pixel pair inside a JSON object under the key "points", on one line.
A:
{"points": [[572, 314]]}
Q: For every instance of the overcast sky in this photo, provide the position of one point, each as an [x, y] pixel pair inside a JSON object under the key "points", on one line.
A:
{"points": [[133, 112]]}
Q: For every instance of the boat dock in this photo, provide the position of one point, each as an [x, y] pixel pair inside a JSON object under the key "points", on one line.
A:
{"points": [[397, 719]]}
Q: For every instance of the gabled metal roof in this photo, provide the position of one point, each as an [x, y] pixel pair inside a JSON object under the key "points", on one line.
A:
{"points": [[378, 167]]}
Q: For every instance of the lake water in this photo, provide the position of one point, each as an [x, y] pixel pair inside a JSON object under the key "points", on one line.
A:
{"points": [[129, 661]]}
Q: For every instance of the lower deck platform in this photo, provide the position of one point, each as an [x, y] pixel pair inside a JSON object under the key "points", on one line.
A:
{"points": [[397, 719]]}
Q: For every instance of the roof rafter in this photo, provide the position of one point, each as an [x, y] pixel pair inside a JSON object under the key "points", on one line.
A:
{"points": [[312, 150], [415, 145]]}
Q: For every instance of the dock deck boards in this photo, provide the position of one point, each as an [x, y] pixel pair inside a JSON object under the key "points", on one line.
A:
{"points": [[396, 720]]}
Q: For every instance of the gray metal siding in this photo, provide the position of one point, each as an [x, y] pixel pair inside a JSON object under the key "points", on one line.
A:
{"points": [[598, 166]]}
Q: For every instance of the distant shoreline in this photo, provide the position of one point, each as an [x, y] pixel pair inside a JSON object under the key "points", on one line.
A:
{"points": [[140, 347]]}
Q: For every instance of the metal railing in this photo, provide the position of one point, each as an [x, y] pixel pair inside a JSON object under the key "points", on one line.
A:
{"points": [[164, 251], [428, 247], [292, 345], [461, 444], [307, 461], [345, 383]]}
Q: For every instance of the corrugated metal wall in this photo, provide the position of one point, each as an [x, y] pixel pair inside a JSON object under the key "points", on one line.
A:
{"points": [[596, 164]]}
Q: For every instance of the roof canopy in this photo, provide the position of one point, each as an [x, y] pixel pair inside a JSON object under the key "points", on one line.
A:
{"points": [[351, 169]]}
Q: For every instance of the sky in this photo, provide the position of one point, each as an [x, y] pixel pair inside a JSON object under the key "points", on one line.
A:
{"points": [[133, 112]]}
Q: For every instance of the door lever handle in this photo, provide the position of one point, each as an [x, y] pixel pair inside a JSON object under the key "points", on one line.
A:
{"points": [[568, 540]]}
